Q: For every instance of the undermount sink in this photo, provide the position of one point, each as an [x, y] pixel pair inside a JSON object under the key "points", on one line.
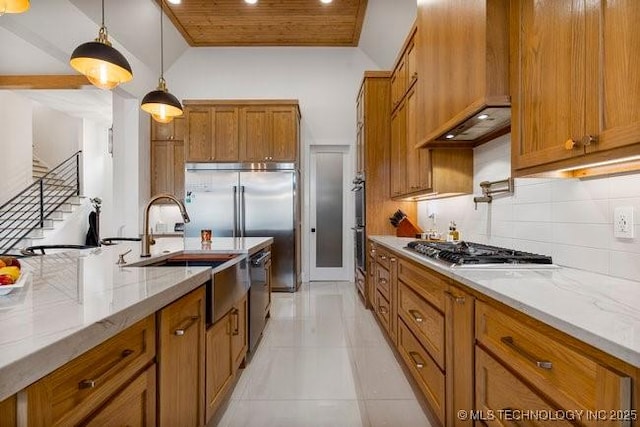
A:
{"points": [[212, 261]]}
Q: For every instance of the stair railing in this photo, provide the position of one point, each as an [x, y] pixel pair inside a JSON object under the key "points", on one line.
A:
{"points": [[29, 209]]}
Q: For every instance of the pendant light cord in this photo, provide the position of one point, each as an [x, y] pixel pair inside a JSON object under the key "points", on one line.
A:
{"points": [[102, 13], [161, 41]]}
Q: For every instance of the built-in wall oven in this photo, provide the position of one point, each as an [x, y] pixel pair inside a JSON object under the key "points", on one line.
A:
{"points": [[359, 227]]}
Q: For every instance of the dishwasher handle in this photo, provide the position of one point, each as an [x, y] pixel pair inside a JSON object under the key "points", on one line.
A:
{"points": [[260, 259]]}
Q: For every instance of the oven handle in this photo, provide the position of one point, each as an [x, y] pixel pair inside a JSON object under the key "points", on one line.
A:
{"points": [[357, 229]]}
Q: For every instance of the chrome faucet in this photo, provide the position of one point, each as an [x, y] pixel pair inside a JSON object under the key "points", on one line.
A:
{"points": [[147, 236]]}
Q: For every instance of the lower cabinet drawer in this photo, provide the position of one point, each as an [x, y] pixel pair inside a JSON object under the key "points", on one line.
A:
{"points": [[383, 281], [426, 372], [383, 311], [557, 370], [503, 400], [135, 405], [424, 320], [72, 392]]}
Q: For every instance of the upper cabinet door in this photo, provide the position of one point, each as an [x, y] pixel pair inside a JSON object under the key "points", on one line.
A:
{"points": [[225, 133], [167, 131], [254, 133], [613, 47], [549, 81], [284, 134], [199, 145], [411, 63]]}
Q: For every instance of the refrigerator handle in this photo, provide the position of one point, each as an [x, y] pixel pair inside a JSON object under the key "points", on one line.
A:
{"points": [[242, 211], [235, 210]]}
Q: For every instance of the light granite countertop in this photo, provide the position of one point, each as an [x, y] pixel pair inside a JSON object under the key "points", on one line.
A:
{"points": [[600, 310], [75, 300]]}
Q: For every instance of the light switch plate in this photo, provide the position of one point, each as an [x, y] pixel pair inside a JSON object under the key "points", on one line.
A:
{"points": [[623, 222]]}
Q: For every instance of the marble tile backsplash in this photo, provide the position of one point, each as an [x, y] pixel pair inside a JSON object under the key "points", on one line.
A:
{"points": [[569, 219]]}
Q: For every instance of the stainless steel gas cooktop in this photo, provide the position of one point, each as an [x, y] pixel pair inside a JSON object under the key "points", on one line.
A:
{"points": [[476, 254]]}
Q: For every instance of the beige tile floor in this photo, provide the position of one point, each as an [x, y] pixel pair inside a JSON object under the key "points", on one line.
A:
{"points": [[323, 361]]}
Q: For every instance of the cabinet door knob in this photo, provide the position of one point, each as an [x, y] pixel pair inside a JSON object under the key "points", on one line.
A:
{"points": [[586, 141]]}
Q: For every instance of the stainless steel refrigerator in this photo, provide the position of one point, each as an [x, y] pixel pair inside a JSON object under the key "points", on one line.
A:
{"points": [[236, 200]]}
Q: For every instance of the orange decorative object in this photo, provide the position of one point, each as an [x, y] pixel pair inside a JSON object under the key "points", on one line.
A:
{"points": [[407, 229]]}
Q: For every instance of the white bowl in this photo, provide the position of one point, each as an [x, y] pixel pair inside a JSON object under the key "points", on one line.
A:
{"points": [[22, 280]]}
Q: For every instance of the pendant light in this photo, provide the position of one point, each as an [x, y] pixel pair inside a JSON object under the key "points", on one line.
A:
{"points": [[103, 65], [13, 6], [160, 103]]}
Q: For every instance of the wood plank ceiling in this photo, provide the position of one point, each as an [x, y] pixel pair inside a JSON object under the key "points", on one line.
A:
{"points": [[269, 22]]}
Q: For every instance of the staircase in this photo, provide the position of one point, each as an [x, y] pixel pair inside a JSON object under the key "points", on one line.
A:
{"points": [[37, 208]]}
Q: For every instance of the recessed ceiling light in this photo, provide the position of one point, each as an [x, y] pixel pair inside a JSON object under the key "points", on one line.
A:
{"points": [[483, 116], [326, 1], [251, 1], [175, 1], [450, 136]]}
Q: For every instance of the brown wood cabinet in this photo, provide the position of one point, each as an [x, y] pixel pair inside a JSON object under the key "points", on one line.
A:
{"points": [[418, 173], [174, 130], [212, 133], [459, 353], [71, 393], [239, 332], [373, 108], [573, 80], [269, 133], [219, 364], [135, 405], [399, 151], [242, 131], [565, 375], [462, 52], [167, 157], [467, 351], [501, 393], [8, 417], [167, 167], [226, 349], [181, 361]]}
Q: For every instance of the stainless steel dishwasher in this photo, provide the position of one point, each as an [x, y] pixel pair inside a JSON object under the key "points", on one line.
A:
{"points": [[258, 295]]}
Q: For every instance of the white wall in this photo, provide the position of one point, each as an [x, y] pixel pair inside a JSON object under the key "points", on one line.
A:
{"points": [[569, 219], [126, 166], [97, 166], [56, 135], [324, 80], [15, 144]]}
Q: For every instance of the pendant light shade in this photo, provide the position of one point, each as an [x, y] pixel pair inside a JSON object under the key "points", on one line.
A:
{"points": [[13, 6], [103, 65], [160, 103]]}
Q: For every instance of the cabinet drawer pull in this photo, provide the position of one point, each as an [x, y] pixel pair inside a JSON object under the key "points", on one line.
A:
{"points": [[457, 299], [392, 259], [382, 309], [382, 281], [542, 364], [115, 366], [181, 331], [417, 360], [236, 321], [417, 316], [383, 257]]}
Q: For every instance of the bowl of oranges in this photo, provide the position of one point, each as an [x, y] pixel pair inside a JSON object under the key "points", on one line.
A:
{"points": [[11, 275]]}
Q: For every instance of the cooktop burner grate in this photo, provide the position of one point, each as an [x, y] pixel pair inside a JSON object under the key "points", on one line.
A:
{"points": [[469, 253]]}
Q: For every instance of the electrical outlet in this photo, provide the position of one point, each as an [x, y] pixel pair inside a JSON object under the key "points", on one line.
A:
{"points": [[623, 223]]}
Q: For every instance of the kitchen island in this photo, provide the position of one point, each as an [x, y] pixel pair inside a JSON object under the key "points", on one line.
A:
{"points": [[74, 301]]}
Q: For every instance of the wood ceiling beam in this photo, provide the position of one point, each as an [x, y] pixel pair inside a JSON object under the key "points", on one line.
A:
{"points": [[44, 81]]}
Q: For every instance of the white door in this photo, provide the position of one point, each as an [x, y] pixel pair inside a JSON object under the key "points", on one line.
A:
{"points": [[330, 242]]}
